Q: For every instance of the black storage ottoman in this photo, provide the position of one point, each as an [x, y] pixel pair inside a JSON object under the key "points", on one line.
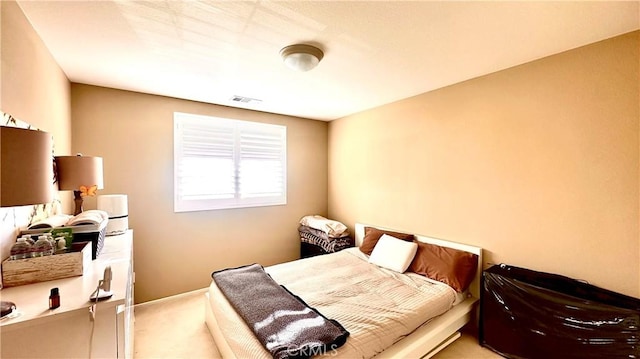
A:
{"points": [[529, 314]]}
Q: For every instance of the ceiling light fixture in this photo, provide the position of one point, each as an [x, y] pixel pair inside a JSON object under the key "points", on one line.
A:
{"points": [[301, 57]]}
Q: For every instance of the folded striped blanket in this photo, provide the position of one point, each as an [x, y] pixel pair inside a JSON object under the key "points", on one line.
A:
{"points": [[320, 239], [283, 323]]}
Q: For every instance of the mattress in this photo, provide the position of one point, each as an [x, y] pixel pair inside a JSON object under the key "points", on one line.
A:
{"points": [[377, 306]]}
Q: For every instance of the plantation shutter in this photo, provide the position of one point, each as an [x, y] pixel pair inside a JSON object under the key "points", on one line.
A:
{"points": [[223, 163], [261, 154]]}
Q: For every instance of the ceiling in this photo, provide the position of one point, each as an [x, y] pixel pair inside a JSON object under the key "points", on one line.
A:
{"points": [[376, 52]]}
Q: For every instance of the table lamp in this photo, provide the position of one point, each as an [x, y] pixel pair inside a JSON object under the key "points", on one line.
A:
{"points": [[26, 167], [80, 174], [26, 174]]}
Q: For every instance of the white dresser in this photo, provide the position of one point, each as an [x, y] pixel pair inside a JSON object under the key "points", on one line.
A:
{"points": [[69, 331]]}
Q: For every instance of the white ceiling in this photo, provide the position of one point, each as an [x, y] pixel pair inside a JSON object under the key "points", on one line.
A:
{"points": [[376, 52]]}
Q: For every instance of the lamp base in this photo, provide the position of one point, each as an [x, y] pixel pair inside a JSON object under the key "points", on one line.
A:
{"points": [[77, 198]]}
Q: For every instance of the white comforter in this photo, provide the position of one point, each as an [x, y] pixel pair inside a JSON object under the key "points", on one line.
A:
{"points": [[377, 306]]}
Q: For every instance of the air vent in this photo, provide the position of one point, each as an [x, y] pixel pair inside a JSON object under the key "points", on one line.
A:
{"points": [[247, 100]]}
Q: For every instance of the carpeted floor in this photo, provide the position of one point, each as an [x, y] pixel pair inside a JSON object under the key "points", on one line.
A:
{"points": [[174, 328]]}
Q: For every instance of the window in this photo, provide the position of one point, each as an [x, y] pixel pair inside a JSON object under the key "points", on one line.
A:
{"points": [[223, 163]]}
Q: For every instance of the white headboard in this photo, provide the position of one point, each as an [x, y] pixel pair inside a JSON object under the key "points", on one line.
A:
{"points": [[474, 287]]}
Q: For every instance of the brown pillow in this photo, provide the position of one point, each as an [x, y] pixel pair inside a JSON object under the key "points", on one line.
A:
{"points": [[450, 266], [372, 235]]}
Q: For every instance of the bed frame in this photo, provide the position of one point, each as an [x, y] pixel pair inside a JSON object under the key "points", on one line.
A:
{"points": [[425, 341]]}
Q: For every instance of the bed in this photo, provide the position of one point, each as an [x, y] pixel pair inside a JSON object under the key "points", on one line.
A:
{"points": [[234, 339]]}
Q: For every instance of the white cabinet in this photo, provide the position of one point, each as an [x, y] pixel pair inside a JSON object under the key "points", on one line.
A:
{"points": [[70, 331]]}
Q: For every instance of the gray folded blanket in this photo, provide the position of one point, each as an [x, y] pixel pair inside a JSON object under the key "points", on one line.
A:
{"points": [[285, 325]]}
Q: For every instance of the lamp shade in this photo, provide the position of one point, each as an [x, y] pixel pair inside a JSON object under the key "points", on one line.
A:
{"points": [[76, 171], [26, 167]]}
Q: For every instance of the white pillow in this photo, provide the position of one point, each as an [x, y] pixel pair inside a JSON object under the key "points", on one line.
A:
{"points": [[393, 253]]}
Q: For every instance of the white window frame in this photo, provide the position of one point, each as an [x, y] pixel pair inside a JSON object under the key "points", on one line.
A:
{"points": [[231, 144]]}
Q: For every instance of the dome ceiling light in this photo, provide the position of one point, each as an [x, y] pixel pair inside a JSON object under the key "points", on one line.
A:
{"points": [[301, 57]]}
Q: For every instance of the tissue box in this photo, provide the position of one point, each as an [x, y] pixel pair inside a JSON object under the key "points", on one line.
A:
{"points": [[41, 269], [96, 238]]}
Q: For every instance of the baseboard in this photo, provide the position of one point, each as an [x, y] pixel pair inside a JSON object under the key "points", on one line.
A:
{"points": [[171, 298]]}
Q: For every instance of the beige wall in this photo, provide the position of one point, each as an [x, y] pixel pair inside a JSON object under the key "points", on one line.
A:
{"points": [[176, 252], [133, 132], [34, 90], [538, 164]]}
